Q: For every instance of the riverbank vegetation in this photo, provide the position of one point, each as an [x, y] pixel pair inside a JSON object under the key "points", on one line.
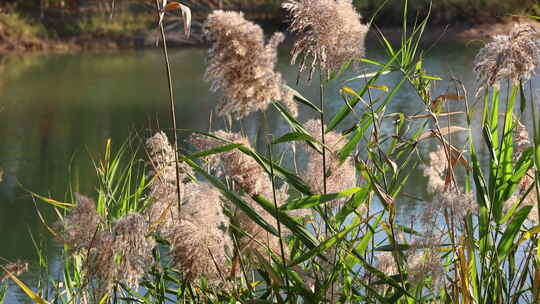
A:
{"points": [[310, 215], [126, 23]]}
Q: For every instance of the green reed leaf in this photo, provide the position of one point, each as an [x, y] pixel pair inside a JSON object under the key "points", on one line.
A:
{"points": [[296, 228], [216, 150], [507, 240], [315, 200], [346, 109], [301, 99], [326, 244], [231, 196], [294, 136]]}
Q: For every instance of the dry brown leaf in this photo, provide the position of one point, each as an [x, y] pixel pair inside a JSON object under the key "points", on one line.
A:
{"points": [[1, 175], [536, 285], [186, 14], [441, 132], [385, 197], [430, 115], [442, 98]]}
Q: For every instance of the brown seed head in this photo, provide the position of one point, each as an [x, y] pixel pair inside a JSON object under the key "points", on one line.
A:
{"points": [[513, 57], [242, 65], [330, 33]]}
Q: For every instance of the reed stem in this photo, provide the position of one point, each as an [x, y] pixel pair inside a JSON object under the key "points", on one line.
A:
{"points": [[172, 107]]}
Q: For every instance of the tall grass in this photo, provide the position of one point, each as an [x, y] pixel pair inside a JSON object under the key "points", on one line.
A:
{"points": [[252, 230]]}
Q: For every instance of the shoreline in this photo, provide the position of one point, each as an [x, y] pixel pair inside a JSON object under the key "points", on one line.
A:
{"points": [[432, 34]]}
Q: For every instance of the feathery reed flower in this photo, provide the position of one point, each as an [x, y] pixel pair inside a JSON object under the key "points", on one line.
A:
{"points": [[424, 259], [162, 159], [81, 225], [446, 197], [163, 192], [339, 176], [330, 33], [251, 177], [242, 65], [242, 168], [200, 242], [198, 237], [16, 268], [521, 137], [514, 57], [386, 263], [121, 255]]}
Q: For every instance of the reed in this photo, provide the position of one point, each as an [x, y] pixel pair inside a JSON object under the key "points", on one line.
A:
{"points": [[252, 230]]}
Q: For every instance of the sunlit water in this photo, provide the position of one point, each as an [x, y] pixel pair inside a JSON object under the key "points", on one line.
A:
{"points": [[57, 111]]}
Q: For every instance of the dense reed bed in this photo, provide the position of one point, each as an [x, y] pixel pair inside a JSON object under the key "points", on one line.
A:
{"points": [[228, 223]]}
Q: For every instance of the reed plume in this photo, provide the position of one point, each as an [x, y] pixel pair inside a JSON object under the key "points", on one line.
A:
{"points": [[235, 164], [122, 255], [339, 176], [200, 243], [252, 179], [446, 196], [81, 225], [513, 57], [163, 187], [199, 238], [330, 33], [242, 65]]}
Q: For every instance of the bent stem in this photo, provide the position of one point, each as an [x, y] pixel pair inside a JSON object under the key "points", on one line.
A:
{"points": [[173, 112]]}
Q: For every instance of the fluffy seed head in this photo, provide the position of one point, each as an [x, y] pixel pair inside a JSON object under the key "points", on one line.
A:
{"points": [[514, 57], [243, 169], [81, 225], [446, 197], [162, 159], [242, 65], [341, 176], [330, 32], [252, 179], [200, 242], [121, 255], [521, 137], [163, 192], [386, 263]]}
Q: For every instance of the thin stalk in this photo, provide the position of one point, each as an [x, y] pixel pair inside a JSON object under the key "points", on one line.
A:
{"points": [[173, 112], [326, 208], [321, 96], [281, 247], [536, 144]]}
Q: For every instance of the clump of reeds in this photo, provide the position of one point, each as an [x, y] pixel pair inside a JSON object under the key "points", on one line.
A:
{"points": [[123, 254], [447, 195], [119, 254], [198, 235], [251, 178], [241, 64], [81, 226], [513, 57], [330, 33], [200, 241]]}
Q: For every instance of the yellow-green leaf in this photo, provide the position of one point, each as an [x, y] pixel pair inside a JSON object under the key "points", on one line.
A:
{"points": [[32, 295], [378, 87]]}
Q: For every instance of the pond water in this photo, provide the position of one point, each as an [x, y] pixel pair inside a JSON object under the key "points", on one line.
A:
{"points": [[57, 111]]}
